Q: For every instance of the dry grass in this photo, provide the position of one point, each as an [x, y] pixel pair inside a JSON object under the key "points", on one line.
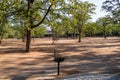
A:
{"points": [[92, 55]]}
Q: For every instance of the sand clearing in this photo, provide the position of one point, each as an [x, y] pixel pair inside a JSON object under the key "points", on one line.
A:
{"points": [[92, 55]]}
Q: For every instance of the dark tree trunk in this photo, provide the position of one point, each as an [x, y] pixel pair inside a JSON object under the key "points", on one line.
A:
{"points": [[118, 35], [80, 34], [105, 36], [73, 35], [0, 39], [54, 37], [105, 33], [23, 37], [79, 37], [28, 40], [67, 35]]}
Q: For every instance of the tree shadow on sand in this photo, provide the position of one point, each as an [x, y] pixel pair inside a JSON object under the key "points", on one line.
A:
{"points": [[19, 78], [87, 63], [84, 61]]}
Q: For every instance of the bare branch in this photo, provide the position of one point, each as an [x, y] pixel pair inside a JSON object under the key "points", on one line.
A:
{"points": [[43, 17]]}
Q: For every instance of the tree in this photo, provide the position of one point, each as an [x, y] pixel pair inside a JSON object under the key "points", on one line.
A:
{"points": [[18, 24], [3, 18], [105, 23], [116, 30], [6, 31], [81, 13], [34, 13], [55, 20], [39, 32], [69, 28], [31, 25], [111, 5], [90, 29]]}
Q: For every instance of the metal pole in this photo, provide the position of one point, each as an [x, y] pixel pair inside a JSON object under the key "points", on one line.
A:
{"points": [[58, 69]]}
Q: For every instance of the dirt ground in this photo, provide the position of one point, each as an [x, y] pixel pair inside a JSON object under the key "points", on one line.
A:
{"points": [[92, 55]]}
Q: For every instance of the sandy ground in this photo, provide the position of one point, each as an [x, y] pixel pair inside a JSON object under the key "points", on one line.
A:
{"points": [[92, 55]]}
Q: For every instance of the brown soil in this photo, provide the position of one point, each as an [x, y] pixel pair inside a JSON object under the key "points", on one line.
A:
{"points": [[92, 55]]}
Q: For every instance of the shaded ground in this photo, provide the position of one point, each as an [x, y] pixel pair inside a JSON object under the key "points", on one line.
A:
{"points": [[92, 55]]}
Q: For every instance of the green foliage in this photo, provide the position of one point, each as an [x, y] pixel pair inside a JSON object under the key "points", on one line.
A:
{"points": [[6, 32], [113, 6], [116, 30], [106, 23], [90, 29], [65, 17], [81, 13], [94, 29], [39, 32]]}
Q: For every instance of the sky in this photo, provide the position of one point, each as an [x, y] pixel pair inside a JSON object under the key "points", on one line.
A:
{"points": [[99, 12]]}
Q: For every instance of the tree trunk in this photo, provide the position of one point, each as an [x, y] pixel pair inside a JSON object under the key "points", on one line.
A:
{"points": [[28, 40], [0, 39], [53, 38], [67, 34], [73, 35], [80, 34], [29, 15], [23, 37], [105, 33], [79, 37]]}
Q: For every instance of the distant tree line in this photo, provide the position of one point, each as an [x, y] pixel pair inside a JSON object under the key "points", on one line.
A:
{"points": [[26, 19]]}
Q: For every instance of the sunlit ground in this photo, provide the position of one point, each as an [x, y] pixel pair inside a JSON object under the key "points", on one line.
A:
{"points": [[92, 55]]}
